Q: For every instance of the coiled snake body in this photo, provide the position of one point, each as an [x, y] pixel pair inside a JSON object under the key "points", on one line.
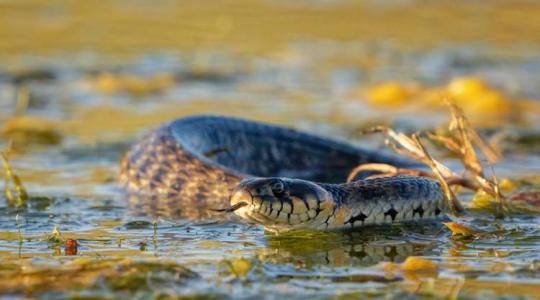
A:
{"points": [[280, 178]]}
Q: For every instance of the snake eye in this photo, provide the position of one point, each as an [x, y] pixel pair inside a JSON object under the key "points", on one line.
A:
{"points": [[278, 188]]}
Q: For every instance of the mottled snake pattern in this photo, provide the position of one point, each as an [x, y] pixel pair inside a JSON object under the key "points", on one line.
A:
{"points": [[278, 177]]}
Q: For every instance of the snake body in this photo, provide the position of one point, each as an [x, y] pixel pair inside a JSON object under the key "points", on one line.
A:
{"points": [[278, 177]]}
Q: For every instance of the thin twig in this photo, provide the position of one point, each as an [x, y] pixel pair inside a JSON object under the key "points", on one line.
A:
{"points": [[451, 198]]}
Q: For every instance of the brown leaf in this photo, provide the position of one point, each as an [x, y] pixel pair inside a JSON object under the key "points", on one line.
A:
{"points": [[415, 268], [459, 229], [415, 264], [70, 247]]}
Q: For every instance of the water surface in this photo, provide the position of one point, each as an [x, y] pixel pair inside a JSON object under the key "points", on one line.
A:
{"points": [[97, 77]]}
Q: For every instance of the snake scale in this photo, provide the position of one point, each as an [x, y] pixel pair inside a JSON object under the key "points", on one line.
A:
{"points": [[274, 176]]}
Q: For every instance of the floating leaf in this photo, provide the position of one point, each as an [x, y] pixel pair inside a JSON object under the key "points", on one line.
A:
{"points": [[483, 201], [473, 94], [413, 268], [459, 229], [390, 94], [477, 97], [240, 267], [508, 185], [416, 264]]}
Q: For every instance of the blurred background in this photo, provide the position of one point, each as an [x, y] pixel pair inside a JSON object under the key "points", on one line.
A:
{"points": [[80, 81], [77, 73]]}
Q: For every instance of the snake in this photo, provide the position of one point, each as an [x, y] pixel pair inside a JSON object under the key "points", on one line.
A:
{"points": [[275, 176]]}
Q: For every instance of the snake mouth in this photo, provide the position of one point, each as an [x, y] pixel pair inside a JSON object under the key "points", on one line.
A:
{"points": [[246, 206], [241, 202], [239, 199], [281, 204], [232, 208], [271, 212]]}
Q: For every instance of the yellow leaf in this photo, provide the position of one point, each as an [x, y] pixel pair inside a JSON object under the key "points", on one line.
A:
{"points": [[507, 185], [483, 200], [390, 94], [416, 264], [415, 268], [240, 267], [466, 86], [476, 97], [459, 229]]}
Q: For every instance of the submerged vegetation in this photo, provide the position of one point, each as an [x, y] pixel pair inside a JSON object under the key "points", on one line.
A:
{"points": [[80, 81]]}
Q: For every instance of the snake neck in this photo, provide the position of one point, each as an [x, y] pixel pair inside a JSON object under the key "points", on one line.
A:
{"points": [[386, 200], [340, 193], [396, 188]]}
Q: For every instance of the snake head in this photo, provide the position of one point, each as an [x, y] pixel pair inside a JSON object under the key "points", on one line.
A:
{"points": [[283, 204]]}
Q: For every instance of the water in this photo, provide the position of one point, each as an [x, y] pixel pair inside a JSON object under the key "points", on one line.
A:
{"points": [[99, 91]]}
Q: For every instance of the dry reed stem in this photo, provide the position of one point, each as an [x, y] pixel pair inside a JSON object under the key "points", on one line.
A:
{"points": [[21, 196], [406, 146], [412, 147], [462, 141], [451, 198]]}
